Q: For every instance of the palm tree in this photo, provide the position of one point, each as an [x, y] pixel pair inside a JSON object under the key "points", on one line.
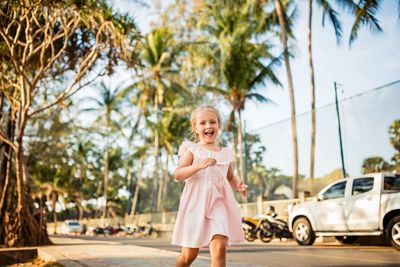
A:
{"points": [[109, 103], [364, 13], [158, 77], [141, 155], [243, 62], [333, 17], [173, 126], [375, 164], [282, 18]]}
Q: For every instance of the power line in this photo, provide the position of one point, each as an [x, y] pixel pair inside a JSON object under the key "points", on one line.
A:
{"points": [[329, 105]]}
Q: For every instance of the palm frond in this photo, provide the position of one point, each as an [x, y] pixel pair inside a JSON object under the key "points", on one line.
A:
{"points": [[258, 98], [333, 18], [365, 13]]}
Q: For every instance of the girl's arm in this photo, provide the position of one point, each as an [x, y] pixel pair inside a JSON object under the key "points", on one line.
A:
{"points": [[186, 167], [236, 183]]}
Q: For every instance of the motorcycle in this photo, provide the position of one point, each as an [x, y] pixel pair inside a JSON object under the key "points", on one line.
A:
{"points": [[265, 227], [107, 230]]}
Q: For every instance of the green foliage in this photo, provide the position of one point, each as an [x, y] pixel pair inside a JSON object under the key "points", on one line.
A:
{"points": [[394, 132], [378, 164], [240, 54], [374, 164], [221, 50]]}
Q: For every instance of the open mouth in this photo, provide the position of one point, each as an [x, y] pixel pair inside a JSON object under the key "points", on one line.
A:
{"points": [[209, 133]]}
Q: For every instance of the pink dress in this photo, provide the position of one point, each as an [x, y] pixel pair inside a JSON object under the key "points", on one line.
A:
{"points": [[207, 206]]}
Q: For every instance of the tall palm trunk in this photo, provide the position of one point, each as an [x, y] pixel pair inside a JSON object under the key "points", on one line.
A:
{"points": [[106, 163], [313, 113], [156, 151], [106, 178], [240, 143], [166, 180], [137, 189], [129, 182], [160, 187], [163, 188], [282, 23], [234, 143]]}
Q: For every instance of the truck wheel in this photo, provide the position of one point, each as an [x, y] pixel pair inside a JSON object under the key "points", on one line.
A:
{"points": [[303, 232], [393, 232]]}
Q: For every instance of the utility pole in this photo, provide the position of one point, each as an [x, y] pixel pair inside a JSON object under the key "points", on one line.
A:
{"points": [[340, 130]]}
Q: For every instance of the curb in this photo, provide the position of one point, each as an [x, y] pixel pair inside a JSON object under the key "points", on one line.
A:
{"points": [[50, 255]]}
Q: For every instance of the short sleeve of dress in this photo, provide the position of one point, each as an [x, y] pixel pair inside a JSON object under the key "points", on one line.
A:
{"points": [[185, 146], [225, 157]]}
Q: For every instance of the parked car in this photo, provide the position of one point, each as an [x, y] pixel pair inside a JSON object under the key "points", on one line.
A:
{"points": [[71, 227], [367, 205]]}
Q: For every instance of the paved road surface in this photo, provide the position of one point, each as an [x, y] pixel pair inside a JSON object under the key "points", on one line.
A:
{"points": [[276, 254]]}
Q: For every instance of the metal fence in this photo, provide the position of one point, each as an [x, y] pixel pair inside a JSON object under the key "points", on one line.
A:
{"points": [[164, 221]]}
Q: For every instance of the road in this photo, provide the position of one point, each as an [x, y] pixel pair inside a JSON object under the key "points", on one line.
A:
{"points": [[285, 253]]}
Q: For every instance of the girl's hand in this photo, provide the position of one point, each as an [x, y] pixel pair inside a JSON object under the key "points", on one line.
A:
{"points": [[242, 188], [205, 163]]}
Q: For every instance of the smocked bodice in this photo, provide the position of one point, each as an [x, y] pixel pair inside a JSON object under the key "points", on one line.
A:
{"points": [[223, 157]]}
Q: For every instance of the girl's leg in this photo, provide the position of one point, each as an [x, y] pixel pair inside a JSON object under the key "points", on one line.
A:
{"points": [[218, 250], [187, 256]]}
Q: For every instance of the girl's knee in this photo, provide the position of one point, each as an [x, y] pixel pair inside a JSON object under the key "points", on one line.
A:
{"points": [[189, 255], [187, 259], [218, 245], [219, 249]]}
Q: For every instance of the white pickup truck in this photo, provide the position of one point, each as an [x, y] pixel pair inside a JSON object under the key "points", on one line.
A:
{"points": [[368, 205]]}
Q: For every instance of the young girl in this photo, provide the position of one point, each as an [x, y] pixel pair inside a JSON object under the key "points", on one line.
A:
{"points": [[208, 213]]}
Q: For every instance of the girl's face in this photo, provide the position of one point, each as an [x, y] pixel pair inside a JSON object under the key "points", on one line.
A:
{"points": [[207, 126]]}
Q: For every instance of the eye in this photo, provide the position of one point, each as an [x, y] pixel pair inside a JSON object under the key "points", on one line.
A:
{"points": [[202, 123]]}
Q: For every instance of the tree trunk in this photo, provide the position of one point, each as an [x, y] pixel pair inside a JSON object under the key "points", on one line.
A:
{"points": [[54, 197], [135, 197], [166, 178], [24, 226], [240, 144], [5, 175], [160, 188], [105, 184], [282, 23], [137, 189], [156, 154], [313, 113], [6, 154], [79, 210], [235, 166], [129, 182]]}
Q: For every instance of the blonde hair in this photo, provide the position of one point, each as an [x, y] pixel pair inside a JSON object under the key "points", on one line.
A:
{"points": [[193, 119]]}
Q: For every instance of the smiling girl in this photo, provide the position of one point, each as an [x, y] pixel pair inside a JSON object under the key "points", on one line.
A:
{"points": [[208, 212]]}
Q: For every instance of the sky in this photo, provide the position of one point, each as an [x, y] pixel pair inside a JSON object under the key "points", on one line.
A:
{"points": [[373, 60]]}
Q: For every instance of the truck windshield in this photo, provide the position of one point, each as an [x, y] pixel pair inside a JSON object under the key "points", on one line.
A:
{"points": [[392, 183]]}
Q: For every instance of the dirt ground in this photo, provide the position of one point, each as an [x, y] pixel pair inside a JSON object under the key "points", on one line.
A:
{"points": [[37, 263]]}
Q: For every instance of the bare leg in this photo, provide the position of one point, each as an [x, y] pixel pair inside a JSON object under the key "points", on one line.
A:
{"points": [[218, 250], [187, 256]]}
